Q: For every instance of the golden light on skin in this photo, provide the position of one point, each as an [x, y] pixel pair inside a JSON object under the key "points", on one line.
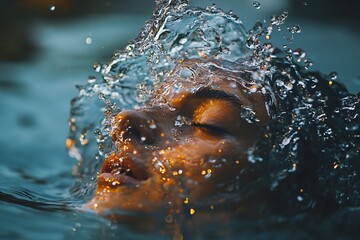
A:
{"points": [[162, 170], [179, 164]]}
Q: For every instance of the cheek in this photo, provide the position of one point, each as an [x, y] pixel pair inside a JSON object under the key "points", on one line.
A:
{"points": [[201, 161]]}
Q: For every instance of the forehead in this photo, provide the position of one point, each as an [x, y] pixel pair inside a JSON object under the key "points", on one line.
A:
{"points": [[191, 75]]}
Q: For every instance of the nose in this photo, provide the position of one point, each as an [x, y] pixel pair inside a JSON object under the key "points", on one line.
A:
{"points": [[134, 125]]}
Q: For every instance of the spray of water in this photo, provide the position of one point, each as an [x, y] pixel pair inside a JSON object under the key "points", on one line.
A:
{"points": [[307, 153]]}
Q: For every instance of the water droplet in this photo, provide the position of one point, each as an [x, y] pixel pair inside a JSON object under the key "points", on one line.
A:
{"points": [[258, 26], [352, 127], [183, 41], [52, 7], [91, 79], [169, 219], [256, 4], [97, 67], [308, 63], [333, 75], [101, 96], [290, 38], [152, 124], [88, 40], [186, 73], [295, 29]]}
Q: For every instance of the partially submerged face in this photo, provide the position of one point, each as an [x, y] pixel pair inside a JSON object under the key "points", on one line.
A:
{"points": [[189, 144]]}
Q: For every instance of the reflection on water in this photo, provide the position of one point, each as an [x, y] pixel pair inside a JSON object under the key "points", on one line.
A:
{"points": [[34, 100]]}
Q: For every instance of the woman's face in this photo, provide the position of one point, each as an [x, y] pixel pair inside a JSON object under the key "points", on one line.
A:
{"points": [[188, 145]]}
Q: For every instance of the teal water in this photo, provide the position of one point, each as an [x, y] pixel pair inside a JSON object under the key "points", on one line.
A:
{"points": [[35, 170]]}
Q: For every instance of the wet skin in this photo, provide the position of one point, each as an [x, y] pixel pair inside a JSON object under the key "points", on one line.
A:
{"points": [[182, 150]]}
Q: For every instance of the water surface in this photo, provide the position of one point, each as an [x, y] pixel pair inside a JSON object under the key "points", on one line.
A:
{"points": [[36, 176]]}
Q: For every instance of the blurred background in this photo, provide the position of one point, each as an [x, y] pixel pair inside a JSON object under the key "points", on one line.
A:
{"points": [[49, 46]]}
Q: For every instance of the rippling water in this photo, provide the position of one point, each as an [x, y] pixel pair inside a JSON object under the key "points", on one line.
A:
{"points": [[36, 177]]}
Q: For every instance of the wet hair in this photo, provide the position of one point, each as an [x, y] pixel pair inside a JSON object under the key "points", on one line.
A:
{"points": [[308, 157]]}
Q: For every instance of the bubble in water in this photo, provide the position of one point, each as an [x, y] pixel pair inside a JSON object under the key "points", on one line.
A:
{"points": [[52, 7], [256, 4]]}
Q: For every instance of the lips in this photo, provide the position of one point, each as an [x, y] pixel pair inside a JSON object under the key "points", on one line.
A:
{"points": [[119, 171]]}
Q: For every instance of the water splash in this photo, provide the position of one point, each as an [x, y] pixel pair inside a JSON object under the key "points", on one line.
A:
{"points": [[175, 31], [303, 122]]}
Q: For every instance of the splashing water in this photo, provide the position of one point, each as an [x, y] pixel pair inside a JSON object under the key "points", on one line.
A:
{"points": [[307, 157], [175, 31]]}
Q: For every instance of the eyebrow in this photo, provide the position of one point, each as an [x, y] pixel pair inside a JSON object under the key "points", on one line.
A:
{"points": [[209, 93]]}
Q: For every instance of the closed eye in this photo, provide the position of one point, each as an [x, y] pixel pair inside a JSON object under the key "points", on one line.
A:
{"points": [[210, 129]]}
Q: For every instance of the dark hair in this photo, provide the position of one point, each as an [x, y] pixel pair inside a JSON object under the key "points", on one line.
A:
{"points": [[308, 157]]}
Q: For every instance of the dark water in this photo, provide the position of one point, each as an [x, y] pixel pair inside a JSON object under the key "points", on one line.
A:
{"points": [[37, 193]]}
